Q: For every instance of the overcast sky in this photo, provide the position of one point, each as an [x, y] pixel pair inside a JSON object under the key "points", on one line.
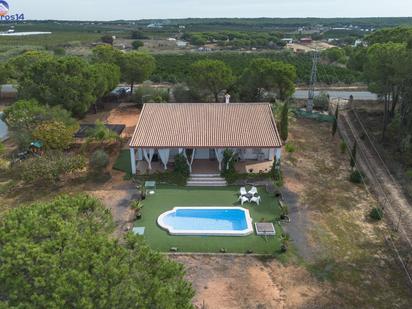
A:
{"points": [[147, 9]]}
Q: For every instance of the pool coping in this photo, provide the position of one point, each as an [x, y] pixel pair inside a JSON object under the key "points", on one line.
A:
{"points": [[172, 231]]}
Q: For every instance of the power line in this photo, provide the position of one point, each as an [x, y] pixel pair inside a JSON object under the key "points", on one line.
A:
{"points": [[389, 238]]}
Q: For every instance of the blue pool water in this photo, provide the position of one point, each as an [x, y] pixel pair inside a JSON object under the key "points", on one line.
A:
{"points": [[207, 219]]}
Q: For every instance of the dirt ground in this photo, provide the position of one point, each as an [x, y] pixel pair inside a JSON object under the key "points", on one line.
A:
{"points": [[228, 282], [343, 259], [316, 45], [123, 113]]}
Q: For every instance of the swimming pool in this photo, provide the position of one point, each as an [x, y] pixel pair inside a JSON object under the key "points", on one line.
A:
{"points": [[213, 221]]}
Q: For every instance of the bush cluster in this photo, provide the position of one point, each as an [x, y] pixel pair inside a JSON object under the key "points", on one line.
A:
{"points": [[49, 169], [181, 171], [356, 176], [376, 213], [228, 166], [99, 160]]}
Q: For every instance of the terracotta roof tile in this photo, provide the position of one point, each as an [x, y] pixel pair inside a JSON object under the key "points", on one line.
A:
{"points": [[206, 125]]}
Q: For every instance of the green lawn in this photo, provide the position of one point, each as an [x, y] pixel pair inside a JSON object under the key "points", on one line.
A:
{"points": [[123, 162], [167, 197]]}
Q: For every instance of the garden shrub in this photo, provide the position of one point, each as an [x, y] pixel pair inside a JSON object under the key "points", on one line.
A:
{"points": [[228, 166], [49, 169], [183, 94], [55, 134], [356, 176], [181, 171], [376, 213], [59, 51], [342, 147], [99, 160], [289, 147], [321, 101], [147, 94], [100, 133], [276, 173]]}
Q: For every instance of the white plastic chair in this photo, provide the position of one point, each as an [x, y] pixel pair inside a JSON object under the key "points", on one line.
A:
{"points": [[253, 191], [255, 199], [243, 191], [243, 199]]}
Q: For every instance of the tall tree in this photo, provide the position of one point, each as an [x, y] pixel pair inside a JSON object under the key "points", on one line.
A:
{"points": [[106, 78], [263, 77], [335, 121], [4, 74], [211, 77], [60, 254], [28, 114], [65, 81], [107, 54], [137, 44], [381, 70], [136, 67], [284, 122], [20, 65]]}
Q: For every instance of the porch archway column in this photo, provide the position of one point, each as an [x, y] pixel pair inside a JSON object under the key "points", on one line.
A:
{"points": [[219, 156], [148, 155], [164, 156], [189, 163], [278, 154], [133, 160]]}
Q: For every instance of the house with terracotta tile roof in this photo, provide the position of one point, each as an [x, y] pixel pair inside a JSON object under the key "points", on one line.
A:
{"points": [[204, 130]]}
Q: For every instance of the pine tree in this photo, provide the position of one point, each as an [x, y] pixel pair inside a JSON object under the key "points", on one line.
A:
{"points": [[335, 121], [353, 156], [284, 122]]}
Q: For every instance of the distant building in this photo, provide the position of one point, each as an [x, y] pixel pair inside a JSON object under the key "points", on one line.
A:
{"points": [[306, 40], [204, 49], [287, 40], [154, 25], [8, 92], [181, 44], [358, 42]]}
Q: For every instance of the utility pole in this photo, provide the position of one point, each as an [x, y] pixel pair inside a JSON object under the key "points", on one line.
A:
{"points": [[313, 80]]}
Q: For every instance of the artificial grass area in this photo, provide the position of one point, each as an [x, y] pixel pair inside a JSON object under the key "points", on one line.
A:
{"points": [[123, 162], [167, 197]]}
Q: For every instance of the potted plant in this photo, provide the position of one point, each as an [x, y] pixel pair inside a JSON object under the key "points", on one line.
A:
{"points": [[143, 193], [137, 207]]}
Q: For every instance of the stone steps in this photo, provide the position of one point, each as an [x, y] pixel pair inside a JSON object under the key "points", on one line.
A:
{"points": [[206, 180]]}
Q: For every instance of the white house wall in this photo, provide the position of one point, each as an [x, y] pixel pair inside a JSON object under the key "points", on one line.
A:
{"points": [[202, 154], [253, 154]]}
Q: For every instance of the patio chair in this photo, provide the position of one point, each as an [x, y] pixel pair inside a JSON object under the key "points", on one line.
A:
{"points": [[243, 191], [255, 199], [253, 191], [243, 199]]}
